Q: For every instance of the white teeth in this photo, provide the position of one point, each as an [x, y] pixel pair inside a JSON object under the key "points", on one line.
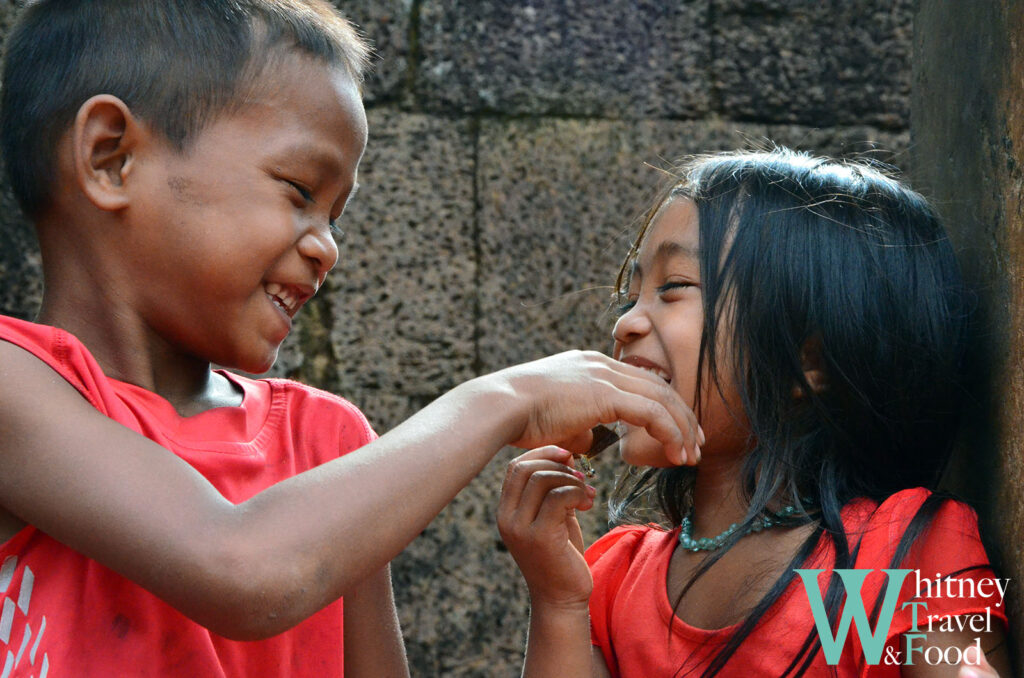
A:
{"points": [[281, 296], [658, 373]]}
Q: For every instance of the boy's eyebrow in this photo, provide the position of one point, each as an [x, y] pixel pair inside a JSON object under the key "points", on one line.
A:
{"points": [[325, 162]]}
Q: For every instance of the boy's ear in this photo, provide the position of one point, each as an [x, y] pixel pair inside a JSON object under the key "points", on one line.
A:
{"points": [[104, 140], [812, 363]]}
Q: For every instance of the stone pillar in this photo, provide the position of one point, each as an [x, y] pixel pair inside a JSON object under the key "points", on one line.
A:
{"points": [[967, 141]]}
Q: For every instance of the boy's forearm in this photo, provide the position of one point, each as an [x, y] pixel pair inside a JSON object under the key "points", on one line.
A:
{"points": [[559, 643], [371, 503]]}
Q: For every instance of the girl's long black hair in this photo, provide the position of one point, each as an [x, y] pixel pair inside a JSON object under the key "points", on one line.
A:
{"points": [[835, 262]]}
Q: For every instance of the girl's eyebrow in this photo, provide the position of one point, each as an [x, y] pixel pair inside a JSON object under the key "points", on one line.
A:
{"points": [[671, 248], [666, 250]]}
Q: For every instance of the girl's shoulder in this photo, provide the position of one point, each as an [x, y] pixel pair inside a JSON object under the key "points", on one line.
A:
{"points": [[629, 546], [935, 528]]}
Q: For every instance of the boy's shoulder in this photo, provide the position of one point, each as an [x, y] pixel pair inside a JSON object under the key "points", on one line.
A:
{"points": [[283, 407], [60, 351]]}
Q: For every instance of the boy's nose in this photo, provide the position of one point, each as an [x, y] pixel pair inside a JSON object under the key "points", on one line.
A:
{"points": [[317, 244]]}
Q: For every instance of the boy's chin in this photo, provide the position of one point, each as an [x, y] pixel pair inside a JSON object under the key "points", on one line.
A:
{"points": [[255, 365]]}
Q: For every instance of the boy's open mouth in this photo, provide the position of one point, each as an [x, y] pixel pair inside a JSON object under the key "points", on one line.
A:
{"points": [[287, 299]]}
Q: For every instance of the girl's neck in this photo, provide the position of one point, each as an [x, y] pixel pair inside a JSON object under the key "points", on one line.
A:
{"points": [[717, 496]]}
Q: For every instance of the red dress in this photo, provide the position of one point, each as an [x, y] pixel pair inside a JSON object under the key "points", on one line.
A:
{"points": [[64, 615], [631, 612]]}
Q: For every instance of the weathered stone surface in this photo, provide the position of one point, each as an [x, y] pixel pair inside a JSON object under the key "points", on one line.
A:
{"points": [[581, 57], [21, 273], [815, 63], [385, 23], [559, 205], [866, 144], [20, 267], [968, 148], [402, 295]]}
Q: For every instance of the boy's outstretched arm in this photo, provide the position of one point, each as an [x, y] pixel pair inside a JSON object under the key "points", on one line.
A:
{"points": [[257, 568]]}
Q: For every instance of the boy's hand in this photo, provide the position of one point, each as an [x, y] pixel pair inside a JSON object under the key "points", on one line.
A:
{"points": [[565, 395], [537, 521]]}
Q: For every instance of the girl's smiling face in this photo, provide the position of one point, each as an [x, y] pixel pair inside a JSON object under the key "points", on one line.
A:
{"points": [[660, 329]]}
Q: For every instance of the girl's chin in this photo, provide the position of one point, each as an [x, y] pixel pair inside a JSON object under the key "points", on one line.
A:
{"points": [[639, 449]]}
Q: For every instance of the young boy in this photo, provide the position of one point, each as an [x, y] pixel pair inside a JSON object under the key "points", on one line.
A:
{"points": [[183, 161]]}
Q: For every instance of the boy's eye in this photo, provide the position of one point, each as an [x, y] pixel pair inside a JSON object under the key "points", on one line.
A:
{"points": [[304, 192], [335, 229]]}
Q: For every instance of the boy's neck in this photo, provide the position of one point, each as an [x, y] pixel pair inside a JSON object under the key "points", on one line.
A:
{"points": [[130, 352]]}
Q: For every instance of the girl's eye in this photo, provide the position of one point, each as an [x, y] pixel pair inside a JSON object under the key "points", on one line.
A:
{"points": [[335, 229], [624, 307], [675, 285]]}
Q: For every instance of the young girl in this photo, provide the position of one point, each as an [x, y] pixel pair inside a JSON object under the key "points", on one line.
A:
{"points": [[810, 312]]}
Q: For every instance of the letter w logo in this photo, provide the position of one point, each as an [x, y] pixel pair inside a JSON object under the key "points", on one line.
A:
{"points": [[853, 611]]}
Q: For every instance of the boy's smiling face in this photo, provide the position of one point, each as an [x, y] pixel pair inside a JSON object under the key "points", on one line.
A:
{"points": [[232, 236]]}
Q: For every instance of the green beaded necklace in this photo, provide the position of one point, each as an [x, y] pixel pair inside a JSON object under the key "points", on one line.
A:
{"points": [[762, 522]]}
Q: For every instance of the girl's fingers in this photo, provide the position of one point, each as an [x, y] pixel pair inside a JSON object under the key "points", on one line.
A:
{"points": [[519, 470], [573, 527], [982, 670], [541, 485], [558, 503]]}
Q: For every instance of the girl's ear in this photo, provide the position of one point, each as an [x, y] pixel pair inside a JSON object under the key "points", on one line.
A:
{"points": [[104, 138], [812, 362]]}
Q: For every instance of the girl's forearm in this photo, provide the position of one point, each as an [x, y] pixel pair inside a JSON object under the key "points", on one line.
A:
{"points": [[559, 643]]}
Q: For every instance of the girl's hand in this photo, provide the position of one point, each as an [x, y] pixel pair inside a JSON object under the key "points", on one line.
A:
{"points": [[537, 521], [562, 397]]}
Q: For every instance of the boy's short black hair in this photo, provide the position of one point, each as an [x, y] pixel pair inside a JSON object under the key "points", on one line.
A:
{"points": [[176, 63]]}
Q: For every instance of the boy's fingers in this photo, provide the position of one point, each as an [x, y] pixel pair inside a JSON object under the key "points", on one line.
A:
{"points": [[653, 415], [641, 382]]}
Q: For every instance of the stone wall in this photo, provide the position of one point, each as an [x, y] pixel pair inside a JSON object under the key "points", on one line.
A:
{"points": [[968, 148], [512, 148]]}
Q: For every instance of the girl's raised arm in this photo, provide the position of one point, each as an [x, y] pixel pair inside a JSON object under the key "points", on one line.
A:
{"points": [[537, 521]]}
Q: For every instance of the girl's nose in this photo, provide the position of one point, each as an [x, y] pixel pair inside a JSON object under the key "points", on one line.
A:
{"points": [[317, 244], [631, 325]]}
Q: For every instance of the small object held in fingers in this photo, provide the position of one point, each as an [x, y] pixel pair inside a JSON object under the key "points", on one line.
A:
{"points": [[604, 438]]}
